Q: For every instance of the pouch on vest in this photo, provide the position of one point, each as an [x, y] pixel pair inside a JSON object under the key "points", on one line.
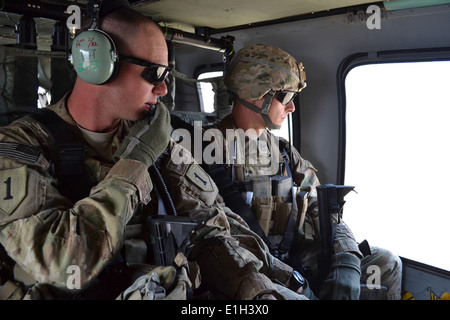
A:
{"points": [[302, 204], [282, 210], [262, 208]]}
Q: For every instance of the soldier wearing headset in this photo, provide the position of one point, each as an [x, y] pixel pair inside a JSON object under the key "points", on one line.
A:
{"points": [[45, 233]]}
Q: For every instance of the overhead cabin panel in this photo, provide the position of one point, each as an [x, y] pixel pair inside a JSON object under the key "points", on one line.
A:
{"points": [[223, 14]]}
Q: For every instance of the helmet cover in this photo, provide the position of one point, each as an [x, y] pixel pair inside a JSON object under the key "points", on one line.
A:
{"points": [[257, 69]]}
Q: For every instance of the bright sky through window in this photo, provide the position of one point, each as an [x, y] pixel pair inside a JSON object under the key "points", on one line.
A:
{"points": [[398, 158]]}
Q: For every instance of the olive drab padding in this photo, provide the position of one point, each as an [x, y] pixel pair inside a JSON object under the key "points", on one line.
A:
{"points": [[94, 56]]}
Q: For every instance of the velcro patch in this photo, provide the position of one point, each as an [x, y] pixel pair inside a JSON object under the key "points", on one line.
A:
{"points": [[13, 188]]}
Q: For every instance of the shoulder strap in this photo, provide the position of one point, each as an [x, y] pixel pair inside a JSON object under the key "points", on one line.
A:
{"points": [[73, 180], [289, 233], [286, 153]]}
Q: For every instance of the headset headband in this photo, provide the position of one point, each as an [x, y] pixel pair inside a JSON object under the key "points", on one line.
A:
{"points": [[96, 6]]}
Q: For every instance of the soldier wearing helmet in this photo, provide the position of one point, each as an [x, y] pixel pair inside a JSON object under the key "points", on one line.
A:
{"points": [[264, 81], [261, 71]]}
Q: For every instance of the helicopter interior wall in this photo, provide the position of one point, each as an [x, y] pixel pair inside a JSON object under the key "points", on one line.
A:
{"points": [[322, 44]]}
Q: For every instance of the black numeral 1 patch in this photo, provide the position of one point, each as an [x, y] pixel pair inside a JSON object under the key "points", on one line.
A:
{"points": [[13, 188]]}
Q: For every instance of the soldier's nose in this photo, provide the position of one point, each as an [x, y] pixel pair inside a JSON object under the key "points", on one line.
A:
{"points": [[290, 107]]}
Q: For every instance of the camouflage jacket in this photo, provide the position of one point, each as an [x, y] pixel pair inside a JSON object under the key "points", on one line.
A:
{"points": [[305, 177], [45, 234]]}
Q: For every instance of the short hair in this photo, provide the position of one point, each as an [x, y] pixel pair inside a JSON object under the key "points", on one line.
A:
{"points": [[121, 24]]}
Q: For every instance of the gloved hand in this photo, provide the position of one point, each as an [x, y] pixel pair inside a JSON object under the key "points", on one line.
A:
{"points": [[148, 138], [151, 286], [343, 281]]}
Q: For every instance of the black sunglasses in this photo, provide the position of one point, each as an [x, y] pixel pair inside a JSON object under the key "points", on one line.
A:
{"points": [[285, 97], [153, 73]]}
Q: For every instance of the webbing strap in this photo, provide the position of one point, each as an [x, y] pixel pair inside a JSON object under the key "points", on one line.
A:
{"points": [[73, 180]]}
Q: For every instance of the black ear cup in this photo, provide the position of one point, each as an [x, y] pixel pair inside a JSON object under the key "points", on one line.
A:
{"points": [[94, 56]]}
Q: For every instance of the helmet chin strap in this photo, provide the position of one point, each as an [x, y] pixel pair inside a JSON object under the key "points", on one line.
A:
{"points": [[264, 110]]}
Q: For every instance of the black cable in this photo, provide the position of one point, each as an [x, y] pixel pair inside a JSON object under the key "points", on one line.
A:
{"points": [[159, 183]]}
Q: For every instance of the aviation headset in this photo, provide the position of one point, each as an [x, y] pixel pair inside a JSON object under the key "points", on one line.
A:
{"points": [[93, 53]]}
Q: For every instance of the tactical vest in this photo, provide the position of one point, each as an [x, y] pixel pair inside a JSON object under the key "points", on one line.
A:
{"points": [[271, 197]]}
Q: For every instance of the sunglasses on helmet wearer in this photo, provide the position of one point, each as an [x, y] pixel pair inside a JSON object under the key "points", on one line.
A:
{"points": [[153, 73], [285, 97]]}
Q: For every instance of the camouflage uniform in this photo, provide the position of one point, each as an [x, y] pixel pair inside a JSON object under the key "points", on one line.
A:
{"points": [[254, 73], [306, 179], [44, 234]]}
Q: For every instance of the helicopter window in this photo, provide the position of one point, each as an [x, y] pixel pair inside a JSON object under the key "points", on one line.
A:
{"points": [[396, 156], [205, 90]]}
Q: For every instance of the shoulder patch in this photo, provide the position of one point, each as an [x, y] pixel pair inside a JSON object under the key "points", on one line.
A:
{"points": [[13, 188], [199, 177]]}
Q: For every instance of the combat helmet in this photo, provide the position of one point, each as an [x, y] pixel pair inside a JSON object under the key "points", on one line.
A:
{"points": [[260, 70]]}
